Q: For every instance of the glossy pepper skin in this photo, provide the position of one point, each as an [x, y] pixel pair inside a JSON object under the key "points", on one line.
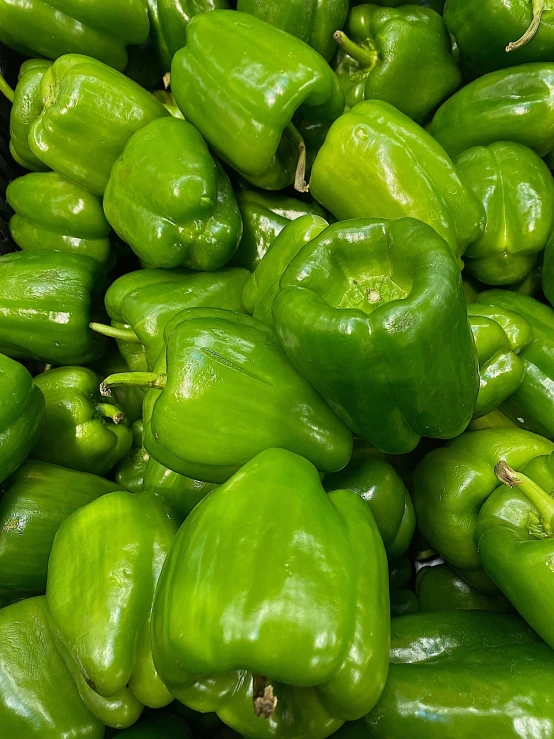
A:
{"points": [[36, 498], [38, 696], [238, 73], [59, 291], [21, 415], [128, 537], [375, 480], [402, 56], [514, 104], [317, 630], [170, 201], [377, 163], [314, 21], [452, 484], [517, 192], [101, 29], [440, 588], [27, 106], [356, 309], [53, 213], [90, 112]]}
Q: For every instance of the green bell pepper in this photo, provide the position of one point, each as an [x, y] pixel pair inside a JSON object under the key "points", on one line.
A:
{"points": [[27, 106], [264, 215], [314, 21], [21, 415], [170, 201], [493, 420], [38, 697], [129, 472], [357, 311], [240, 81], [400, 55], [452, 484], [90, 112], [36, 499], [222, 375], [517, 192], [50, 28], [53, 213], [375, 480], [547, 276], [316, 628], [47, 301], [440, 588], [436, 5], [377, 163], [99, 599], [513, 104]]}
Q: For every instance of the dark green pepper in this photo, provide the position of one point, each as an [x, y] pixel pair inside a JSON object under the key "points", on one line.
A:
{"points": [[129, 473], [440, 588], [547, 277], [26, 108]]}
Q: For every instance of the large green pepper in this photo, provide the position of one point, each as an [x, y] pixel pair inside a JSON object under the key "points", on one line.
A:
{"points": [[35, 501], [90, 112], [240, 81], [513, 104], [222, 375], [358, 309], [440, 588], [400, 55], [27, 106], [54, 213], [99, 599], [314, 21], [47, 301], [101, 29], [38, 696], [377, 163], [170, 201], [316, 628], [21, 415], [517, 192]]}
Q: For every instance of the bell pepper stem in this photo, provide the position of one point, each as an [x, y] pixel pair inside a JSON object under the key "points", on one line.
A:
{"points": [[264, 700], [300, 175], [6, 90], [133, 379], [538, 497], [538, 9], [106, 410], [367, 57], [123, 334]]}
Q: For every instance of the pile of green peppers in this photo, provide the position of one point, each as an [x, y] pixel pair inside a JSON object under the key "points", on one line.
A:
{"points": [[277, 369]]}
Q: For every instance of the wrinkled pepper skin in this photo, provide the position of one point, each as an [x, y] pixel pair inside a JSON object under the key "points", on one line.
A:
{"points": [[80, 431], [356, 309], [378, 484], [35, 501], [27, 106], [377, 163], [264, 215], [238, 73], [517, 192], [53, 213], [440, 588], [128, 537], [317, 630], [101, 29], [38, 696], [514, 104], [531, 406], [58, 292], [483, 28], [314, 21], [452, 484], [170, 201], [402, 56], [21, 415], [90, 112]]}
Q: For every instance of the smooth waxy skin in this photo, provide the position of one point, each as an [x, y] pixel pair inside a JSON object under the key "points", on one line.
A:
{"points": [[54, 213], [405, 59], [36, 499], [342, 318], [517, 192], [21, 415], [377, 163], [47, 299], [440, 588], [314, 21], [27, 106], [239, 74], [90, 112], [514, 104], [38, 697], [320, 621]]}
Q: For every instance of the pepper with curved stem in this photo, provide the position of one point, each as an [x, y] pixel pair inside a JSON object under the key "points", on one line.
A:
{"points": [[538, 9]]}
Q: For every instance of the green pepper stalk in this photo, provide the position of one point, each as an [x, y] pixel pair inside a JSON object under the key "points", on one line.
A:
{"points": [[153, 380], [533, 492], [538, 9], [364, 55], [6, 90], [123, 334]]}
